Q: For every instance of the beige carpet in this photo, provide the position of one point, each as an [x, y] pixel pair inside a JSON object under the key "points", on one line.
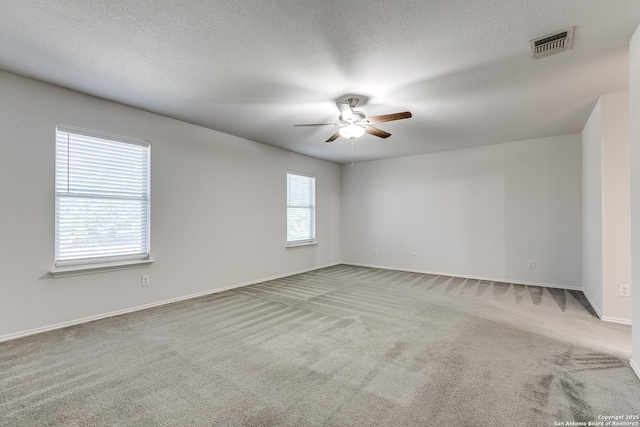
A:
{"points": [[342, 346]]}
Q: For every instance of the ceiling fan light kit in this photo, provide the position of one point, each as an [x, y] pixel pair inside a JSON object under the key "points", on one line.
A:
{"points": [[353, 124], [351, 131]]}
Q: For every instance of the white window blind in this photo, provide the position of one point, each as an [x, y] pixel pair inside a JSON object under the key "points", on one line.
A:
{"points": [[102, 198], [301, 215]]}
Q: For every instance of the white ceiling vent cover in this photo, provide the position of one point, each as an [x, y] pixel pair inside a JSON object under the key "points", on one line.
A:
{"points": [[552, 43]]}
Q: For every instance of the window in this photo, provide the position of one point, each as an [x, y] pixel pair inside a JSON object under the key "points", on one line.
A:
{"points": [[301, 210], [102, 198]]}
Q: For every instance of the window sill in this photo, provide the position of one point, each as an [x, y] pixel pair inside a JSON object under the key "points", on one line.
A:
{"points": [[297, 245], [77, 270]]}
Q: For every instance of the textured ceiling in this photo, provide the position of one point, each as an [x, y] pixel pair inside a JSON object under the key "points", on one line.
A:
{"points": [[254, 69]]}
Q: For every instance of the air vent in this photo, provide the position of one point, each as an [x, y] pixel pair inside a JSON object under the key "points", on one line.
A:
{"points": [[552, 43]]}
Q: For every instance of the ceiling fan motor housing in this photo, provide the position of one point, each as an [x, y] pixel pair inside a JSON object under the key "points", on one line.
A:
{"points": [[357, 116]]}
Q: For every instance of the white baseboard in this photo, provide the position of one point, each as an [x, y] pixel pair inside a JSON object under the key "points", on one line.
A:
{"points": [[518, 282], [635, 367], [595, 307], [151, 305], [252, 282], [616, 320], [605, 318], [492, 279]]}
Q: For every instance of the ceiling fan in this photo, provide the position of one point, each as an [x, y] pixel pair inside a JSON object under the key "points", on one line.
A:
{"points": [[353, 124]]}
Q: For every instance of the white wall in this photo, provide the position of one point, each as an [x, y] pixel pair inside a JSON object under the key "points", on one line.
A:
{"points": [[616, 228], [592, 209], [218, 209], [606, 207], [480, 212], [634, 136]]}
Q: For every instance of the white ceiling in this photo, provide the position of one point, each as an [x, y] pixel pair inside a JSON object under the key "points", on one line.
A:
{"points": [[254, 69]]}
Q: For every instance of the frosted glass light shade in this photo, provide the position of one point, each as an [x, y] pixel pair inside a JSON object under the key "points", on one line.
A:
{"points": [[351, 131]]}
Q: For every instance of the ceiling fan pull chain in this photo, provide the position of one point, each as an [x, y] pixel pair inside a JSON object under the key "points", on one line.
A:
{"points": [[352, 161]]}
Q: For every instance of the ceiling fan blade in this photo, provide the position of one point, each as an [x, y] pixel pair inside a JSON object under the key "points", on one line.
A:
{"points": [[333, 137], [377, 132], [345, 110], [389, 117], [319, 124]]}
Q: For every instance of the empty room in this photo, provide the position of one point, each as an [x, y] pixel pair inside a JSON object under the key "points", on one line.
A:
{"points": [[389, 213]]}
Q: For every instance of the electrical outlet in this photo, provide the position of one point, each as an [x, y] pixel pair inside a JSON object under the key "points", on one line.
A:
{"points": [[531, 264], [375, 252], [625, 290], [145, 280]]}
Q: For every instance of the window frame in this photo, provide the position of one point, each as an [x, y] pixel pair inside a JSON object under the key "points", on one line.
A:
{"points": [[85, 265], [311, 207]]}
